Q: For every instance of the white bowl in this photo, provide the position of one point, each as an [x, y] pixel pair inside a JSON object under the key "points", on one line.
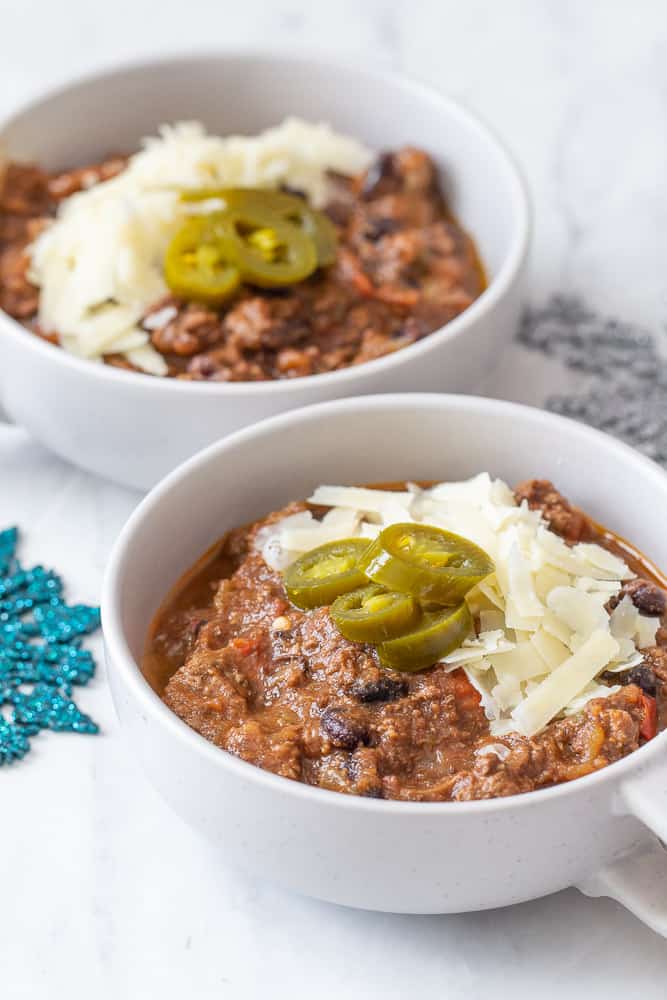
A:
{"points": [[384, 855], [132, 428]]}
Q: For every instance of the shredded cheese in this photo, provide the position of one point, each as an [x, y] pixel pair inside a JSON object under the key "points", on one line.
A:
{"points": [[566, 682], [99, 265], [543, 634]]}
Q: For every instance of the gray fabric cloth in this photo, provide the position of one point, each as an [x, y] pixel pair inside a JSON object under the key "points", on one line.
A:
{"points": [[624, 389], [602, 371]]}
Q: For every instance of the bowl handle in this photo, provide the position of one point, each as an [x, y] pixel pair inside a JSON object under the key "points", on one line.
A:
{"points": [[638, 881]]}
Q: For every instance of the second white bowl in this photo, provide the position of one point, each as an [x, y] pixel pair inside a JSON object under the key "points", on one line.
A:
{"points": [[399, 856], [132, 428]]}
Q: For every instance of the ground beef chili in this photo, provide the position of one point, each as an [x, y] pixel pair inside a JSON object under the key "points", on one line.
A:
{"points": [[282, 689], [404, 268]]}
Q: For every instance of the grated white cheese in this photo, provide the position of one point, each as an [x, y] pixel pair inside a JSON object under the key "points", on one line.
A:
{"points": [[543, 631], [566, 682], [483, 681], [99, 265], [577, 609], [474, 650], [552, 651], [491, 620], [646, 630], [339, 522], [358, 498], [507, 692], [522, 663]]}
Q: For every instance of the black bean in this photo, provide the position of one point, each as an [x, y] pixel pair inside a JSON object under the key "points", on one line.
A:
{"points": [[343, 731], [375, 229], [644, 678], [647, 597], [383, 689], [381, 170], [641, 675]]}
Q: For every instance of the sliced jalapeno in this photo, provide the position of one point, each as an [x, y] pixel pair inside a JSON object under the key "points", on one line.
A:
{"points": [[323, 574], [200, 262], [318, 226], [426, 562], [373, 614], [438, 633], [277, 205], [270, 253]]}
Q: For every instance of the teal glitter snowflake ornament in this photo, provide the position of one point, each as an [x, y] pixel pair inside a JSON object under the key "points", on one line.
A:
{"points": [[41, 658]]}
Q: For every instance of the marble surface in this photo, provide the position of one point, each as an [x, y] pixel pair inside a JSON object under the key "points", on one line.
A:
{"points": [[104, 892]]}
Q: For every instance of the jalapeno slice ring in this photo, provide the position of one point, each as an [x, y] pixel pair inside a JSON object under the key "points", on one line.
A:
{"points": [[438, 633], [317, 225], [270, 253], [373, 614], [426, 562], [277, 205], [321, 575], [200, 262]]}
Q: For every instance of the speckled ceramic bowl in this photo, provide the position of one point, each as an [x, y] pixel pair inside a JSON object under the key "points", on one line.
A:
{"points": [[133, 428], [599, 832]]}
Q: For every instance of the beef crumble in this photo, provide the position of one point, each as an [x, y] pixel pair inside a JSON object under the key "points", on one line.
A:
{"points": [[283, 689], [568, 522], [404, 268]]}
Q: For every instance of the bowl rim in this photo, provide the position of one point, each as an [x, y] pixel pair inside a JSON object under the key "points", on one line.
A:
{"points": [[121, 660], [498, 287]]}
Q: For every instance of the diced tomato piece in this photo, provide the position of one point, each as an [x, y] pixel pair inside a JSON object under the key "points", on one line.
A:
{"points": [[244, 646], [467, 697], [393, 295], [363, 284], [351, 269], [649, 726]]}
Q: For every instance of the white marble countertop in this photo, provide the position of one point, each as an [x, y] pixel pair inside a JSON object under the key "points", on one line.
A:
{"points": [[104, 892]]}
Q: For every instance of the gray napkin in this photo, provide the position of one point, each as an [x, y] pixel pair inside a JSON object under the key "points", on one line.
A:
{"points": [[617, 381]]}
